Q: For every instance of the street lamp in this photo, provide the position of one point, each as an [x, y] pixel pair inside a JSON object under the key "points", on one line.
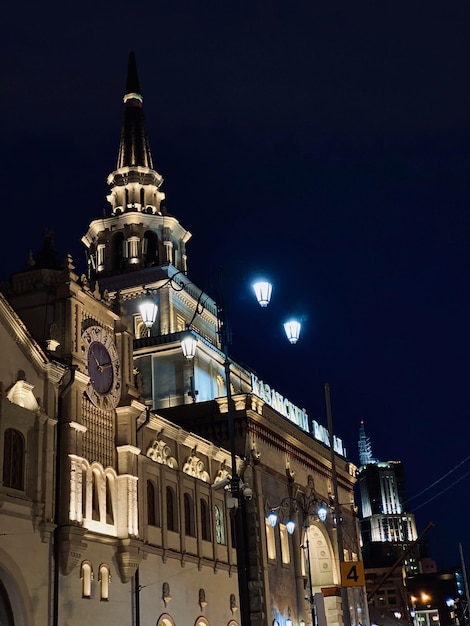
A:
{"points": [[189, 345], [308, 505], [292, 328], [263, 290], [148, 309], [238, 490]]}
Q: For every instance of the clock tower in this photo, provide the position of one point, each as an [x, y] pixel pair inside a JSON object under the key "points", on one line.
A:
{"points": [[97, 406]]}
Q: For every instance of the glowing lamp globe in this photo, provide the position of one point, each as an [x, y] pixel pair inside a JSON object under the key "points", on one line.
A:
{"points": [[148, 310], [263, 290], [292, 328], [290, 526], [188, 345], [322, 512], [272, 518]]}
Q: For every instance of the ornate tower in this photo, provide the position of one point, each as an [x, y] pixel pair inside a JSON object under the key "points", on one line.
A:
{"points": [[139, 233]]}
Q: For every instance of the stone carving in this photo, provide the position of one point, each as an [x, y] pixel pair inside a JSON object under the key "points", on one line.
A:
{"points": [[194, 466], [160, 452]]}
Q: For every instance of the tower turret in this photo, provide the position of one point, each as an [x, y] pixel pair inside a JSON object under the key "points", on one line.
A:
{"points": [[139, 233]]}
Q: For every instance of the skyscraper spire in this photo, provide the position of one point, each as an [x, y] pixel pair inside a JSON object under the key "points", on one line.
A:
{"points": [[134, 148], [365, 447]]}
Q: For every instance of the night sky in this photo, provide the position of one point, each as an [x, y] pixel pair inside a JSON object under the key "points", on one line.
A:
{"points": [[325, 143]]}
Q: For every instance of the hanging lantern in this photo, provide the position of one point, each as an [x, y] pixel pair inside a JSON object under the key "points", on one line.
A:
{"points": [[290, 526], [292, 328], [322, 512], [188, 345], [272, 518], [148, 310], [263, 290]]}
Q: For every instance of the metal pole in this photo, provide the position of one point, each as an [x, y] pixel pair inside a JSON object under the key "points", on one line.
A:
{"points": [[337, 508], [466, 611], [311, 597], [238, 515]]}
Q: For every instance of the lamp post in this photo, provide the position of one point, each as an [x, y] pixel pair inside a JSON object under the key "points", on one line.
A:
{"points": [[306, 506], [337, 507]]}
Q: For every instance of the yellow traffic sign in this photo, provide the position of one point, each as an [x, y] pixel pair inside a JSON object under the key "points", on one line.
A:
{"points": [[352, 574]]}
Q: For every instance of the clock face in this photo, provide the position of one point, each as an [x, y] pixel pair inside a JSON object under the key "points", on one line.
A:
{"points": [[100, 367], [104, 388]]}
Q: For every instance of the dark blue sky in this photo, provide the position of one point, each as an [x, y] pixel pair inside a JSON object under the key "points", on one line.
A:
{"points": [[327, 144]]}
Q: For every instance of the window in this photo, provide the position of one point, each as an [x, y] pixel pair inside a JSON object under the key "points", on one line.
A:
{"points": [[171, 509], [13, 459], [86, 575], [153, 518], [84, 492], [109, 501], [205, 521], [132, 249], [104, 579], [188, 515], [270, 540], [150, 248], [219, 525], [6, 612], [100, 250], [95, 514], [285, 555], [118, 250]]}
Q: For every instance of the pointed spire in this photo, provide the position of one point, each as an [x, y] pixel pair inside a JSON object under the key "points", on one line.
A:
{"points": [[132, 84], [365, 447], [134, 148]]}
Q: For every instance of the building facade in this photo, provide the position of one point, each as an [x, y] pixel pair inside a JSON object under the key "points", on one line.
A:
{"points": [[128, 497], [388, 530]]}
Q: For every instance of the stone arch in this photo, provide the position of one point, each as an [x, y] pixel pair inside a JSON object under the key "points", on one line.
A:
{"points": [[15, 590], [201, 621], [165, 619], [323, 564]]}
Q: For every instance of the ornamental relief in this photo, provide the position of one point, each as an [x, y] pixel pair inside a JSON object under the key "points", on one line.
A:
{"points": [[160, 452], [223, 473], [194, 466]]}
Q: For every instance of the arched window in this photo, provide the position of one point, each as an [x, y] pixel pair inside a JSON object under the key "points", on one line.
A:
{"points": [[13, 459], [171, 509], [142, 198], [84, 492], [219, 525], [86, 574], [104, 578], [118, 251], [150, 248], [205, 521], [6, 612], [153, 517], [109, 501], [95, 514], [188, 515]]}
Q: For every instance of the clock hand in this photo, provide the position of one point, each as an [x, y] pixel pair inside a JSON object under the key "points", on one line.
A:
{"points": [[103, 367], [96, 360]]}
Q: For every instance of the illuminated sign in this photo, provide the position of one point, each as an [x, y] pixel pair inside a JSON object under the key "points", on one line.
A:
{"points": [[283, 406], [295, 415]]}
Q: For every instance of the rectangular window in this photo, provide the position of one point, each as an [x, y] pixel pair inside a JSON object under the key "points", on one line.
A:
{"points": [[100, 257], [270, 541], [285, 555]]}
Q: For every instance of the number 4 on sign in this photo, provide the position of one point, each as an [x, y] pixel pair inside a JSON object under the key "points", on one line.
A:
{"points": [[352, 574]]}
